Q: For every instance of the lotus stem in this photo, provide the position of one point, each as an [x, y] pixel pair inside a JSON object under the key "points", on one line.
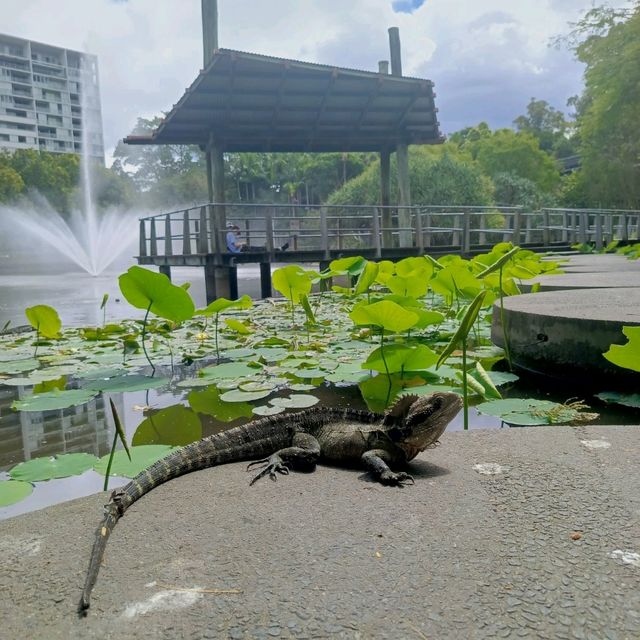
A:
{"points": [[505, 335], [465, 391]]}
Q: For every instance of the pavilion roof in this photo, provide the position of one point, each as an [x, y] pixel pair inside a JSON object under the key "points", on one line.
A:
{"points": [[250, 102]]}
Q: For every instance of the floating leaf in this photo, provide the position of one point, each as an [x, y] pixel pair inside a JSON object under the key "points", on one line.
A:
{"points": [[238, 327], [130, 383], [527, 411], [243, 396], [61, 466], [267, 410], [295, 401], [175, 426], [45, 320], [146, 289], [12, 491], [54, 400], [19, 366], [626, 399], [627, 355], [208, 402], [228, 370], [141, 458], [222, 304], [400, 357]]}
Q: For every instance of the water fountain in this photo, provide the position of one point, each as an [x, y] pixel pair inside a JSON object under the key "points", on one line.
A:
{"points": [[90, 239]]}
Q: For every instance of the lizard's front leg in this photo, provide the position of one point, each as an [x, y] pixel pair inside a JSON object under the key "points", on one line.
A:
{"points": [[302, 454], [377, 462]]}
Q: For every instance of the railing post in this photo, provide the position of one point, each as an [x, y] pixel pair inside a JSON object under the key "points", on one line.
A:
{"points": [[268, 230], [466, 232], [546, 232], [375, 230], [202, 232], [482, 236], [624, 230], [143, 239], [324, 233], [609, 227], [427, 226], [517, 223], [338, 236], [565, 225], [186, 238], [599, 242], [583, 228], [154, 239], [168, 241], [419, 236], [527, 227]]}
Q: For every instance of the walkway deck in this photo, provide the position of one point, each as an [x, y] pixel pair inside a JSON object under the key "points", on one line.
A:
{"points": [[548, 548]]}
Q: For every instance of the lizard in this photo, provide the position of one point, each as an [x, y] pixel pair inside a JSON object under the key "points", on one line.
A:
{"points": [[335, 435]]}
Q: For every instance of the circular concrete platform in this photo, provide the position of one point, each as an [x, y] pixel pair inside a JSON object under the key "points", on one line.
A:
{"points": [[566, 332], [573, 280]]}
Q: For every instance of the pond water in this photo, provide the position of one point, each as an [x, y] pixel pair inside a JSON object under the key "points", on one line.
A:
{"points": [[88, 428]]}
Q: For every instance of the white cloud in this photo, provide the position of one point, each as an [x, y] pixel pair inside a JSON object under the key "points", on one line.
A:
{"points": [[486, 58]]}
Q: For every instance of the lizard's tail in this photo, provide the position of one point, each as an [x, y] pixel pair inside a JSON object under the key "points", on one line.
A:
{"points": [[111, 516]]}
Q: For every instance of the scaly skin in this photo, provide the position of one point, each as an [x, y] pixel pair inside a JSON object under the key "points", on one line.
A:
{"points": [[296, 440]]}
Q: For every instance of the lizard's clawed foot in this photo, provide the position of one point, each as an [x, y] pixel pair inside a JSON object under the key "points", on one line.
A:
{"points": [[272, 465], [396, 479]]}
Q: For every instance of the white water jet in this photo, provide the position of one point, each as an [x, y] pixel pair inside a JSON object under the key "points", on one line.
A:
{"points": [[89, 239]]}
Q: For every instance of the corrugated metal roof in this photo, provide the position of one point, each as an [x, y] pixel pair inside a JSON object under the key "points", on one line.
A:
{"points": [[251, 102]]}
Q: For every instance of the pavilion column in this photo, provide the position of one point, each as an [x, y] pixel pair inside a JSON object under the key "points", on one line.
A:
{"points": [[402, 152], [385, 198]]}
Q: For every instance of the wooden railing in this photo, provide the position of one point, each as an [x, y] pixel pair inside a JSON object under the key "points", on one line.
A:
{"points": [[266, 227]]}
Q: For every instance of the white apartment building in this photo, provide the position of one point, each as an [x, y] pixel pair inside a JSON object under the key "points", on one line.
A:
{"points": [[47, 96]]}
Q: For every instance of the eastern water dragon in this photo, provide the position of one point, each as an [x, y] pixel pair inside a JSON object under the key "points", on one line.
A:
{"points": [[297, 441]]}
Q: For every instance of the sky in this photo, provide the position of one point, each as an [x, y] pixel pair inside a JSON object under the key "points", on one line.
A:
{"points": [[488, 58]]}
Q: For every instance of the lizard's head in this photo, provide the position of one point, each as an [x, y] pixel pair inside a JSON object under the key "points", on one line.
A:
{"points": [[417, 422]]}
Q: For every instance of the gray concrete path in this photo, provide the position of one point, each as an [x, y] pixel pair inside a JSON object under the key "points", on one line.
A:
{"points": [[547, 547]]}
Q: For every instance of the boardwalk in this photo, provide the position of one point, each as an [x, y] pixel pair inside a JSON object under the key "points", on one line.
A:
{"points": [[319, 234]]}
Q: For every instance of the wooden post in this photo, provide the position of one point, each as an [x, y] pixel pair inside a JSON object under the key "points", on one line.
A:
{"points": [[395, 51], [583, 228], [565, 224], [427, 226], [609, 226], [385, 198], [466, 232], [166, 270], [527, 227], [210, 282], [324, 233], [482, 236], [202, 232], [265, 280], [154, 239], [573, 234], [168, 241], [339, 237], [233, 282], [624, 229], [545, 228], [599, 242], [209, 29], [375, 231], [143, 239], [418, 230], [517, 224], [186, 237], [268, 230]]}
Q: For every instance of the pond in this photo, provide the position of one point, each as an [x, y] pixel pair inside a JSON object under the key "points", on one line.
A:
{"points": [[273, 358]]}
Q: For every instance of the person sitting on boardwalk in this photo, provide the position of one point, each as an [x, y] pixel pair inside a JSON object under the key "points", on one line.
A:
{"points": [[236, 246]]}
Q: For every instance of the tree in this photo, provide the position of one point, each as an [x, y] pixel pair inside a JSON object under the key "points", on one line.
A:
{"points": [[549, 126], [11, 183], [512, 190], [506, 151], [607, 41]]}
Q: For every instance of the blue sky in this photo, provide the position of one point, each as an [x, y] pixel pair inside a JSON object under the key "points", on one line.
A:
{"points": [[488, 58], [406, 6]]}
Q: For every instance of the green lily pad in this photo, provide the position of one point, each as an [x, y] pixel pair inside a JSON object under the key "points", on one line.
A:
{"points": [[527, 411], [627, 355], [256, 386], [62, 466], [626, 399], [54, 400], [141, 458], [236, 395], [19, 366], [12, 491], [298, 386], [208, 402], [175, 426], [295, 401], [121, 384], [228, 370], [267, 410], [45, 320]]}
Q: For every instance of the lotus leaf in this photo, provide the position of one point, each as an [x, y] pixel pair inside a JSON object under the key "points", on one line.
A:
{"points": [[353, 266], [385, 314], [228, 370], [54, 400], [145, 289], [414, 286], [12, 491], [222, 304], [47, 468], [45, 320], [141, 458], [295, 401], [400, 357], [235, 395], [175, 426], [292, 281], [121, 384], [367, 278], [19, 366], [238, 326], [267, 410], [627, 355], [626, 399]]}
